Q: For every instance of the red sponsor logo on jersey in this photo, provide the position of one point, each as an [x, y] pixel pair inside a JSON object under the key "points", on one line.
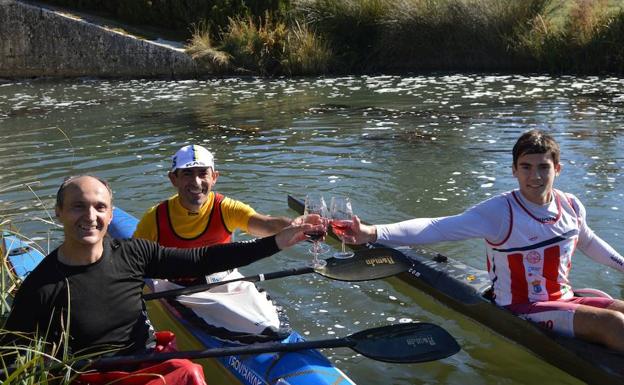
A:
{"points": [[533, 257]]}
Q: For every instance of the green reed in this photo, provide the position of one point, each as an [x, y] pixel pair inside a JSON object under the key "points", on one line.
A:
{"points": [[350, 36], [29, 360], [264, 46]]}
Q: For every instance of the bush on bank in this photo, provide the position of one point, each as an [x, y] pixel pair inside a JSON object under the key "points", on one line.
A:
{"points": [[262, 46]]}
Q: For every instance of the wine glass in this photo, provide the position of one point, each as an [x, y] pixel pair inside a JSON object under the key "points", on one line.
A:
{"points": [[341, 215], [315, 204]]}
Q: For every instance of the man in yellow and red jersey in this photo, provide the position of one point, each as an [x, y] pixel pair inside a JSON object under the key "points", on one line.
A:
{"points": [[197, 216]]}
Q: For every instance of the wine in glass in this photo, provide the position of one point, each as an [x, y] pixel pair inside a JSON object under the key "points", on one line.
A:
{"points": [[315, 204], [341, 220]]}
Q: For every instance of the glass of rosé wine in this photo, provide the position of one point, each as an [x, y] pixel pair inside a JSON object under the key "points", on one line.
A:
{"points": [[315, 204], [341, 219]]}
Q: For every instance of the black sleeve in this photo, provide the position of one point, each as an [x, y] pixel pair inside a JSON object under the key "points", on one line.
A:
{"points": [[22, 317], [168, 262]]}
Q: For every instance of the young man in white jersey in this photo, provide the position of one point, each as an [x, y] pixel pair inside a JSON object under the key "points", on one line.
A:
{"points": [[531, 234]]}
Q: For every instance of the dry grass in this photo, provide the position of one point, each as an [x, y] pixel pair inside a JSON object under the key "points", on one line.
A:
{"points": [[202, 49], [261, 46]]}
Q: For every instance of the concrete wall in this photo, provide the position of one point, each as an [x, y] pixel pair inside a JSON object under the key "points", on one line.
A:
{"points": [[39, 42]]}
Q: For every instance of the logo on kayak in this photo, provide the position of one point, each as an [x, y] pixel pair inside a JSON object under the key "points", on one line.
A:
{"points": [[249, 375], [427, 340], [533, 257], [537, 287], [380, 261]]}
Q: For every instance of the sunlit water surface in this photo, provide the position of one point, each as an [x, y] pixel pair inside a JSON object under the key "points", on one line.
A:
{"points": [[399, 146]]}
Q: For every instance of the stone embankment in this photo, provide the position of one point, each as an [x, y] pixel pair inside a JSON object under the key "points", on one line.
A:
{"points": [[40, 42]]}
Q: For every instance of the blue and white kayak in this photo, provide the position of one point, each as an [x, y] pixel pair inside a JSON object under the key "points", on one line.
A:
{"points": [[21, 257], [306, 367]]}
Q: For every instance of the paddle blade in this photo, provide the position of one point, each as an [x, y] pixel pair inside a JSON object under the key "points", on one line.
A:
{"points": [[405, 343], [366, 264]]}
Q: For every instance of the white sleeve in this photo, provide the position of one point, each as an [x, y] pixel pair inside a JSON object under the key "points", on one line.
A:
{"points": [[592, 245], [489, 219]]}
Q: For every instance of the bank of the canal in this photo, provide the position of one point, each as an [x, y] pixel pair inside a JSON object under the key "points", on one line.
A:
{"points": [[39, 41]]}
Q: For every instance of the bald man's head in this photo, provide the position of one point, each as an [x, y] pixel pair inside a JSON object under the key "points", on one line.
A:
{"points": [[72, 181]]}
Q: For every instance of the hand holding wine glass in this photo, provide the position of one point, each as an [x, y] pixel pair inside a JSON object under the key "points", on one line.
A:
{"points": [[315, 204], [341, 214]]}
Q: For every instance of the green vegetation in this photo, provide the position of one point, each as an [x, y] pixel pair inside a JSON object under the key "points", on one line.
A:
{"points": [[265, 47], [307, 37], [30, 361], [33, 358], [354, 36]]}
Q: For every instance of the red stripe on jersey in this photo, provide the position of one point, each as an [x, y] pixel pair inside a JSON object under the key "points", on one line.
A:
{"points": [[552, 257], [519, 284], [510, 226]]}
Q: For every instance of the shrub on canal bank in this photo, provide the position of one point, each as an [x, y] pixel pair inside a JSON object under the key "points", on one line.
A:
{"points": [[262, 46]]}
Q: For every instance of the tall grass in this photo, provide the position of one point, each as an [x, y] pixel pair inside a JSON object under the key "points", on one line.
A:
{"points": [[307, 53], [311, 37], [321, 36], [353, 28], [202, 49], [587, 36], [407, 35], [264, 46], [28, 361]]}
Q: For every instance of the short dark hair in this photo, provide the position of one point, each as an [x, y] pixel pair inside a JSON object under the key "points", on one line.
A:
{"points": [[60, 193], [536, 142]]}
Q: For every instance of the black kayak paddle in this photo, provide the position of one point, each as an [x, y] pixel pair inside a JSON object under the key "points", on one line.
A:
{"points": [[400, 343], [366, 264]]}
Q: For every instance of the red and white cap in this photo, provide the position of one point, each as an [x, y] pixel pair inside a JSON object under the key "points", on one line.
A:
{"points": [[192, 156]]}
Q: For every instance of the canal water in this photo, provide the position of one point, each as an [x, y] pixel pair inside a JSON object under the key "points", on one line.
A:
{"points": [[399, 146]]}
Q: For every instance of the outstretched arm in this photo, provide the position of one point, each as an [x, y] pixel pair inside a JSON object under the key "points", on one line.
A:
{"points": [[163, 262], [260, 225], [600, 251], [593, 246], [489, 220]]}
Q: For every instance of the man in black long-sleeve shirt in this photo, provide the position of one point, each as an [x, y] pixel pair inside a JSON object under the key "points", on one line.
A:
{"points": [[91, 286]]}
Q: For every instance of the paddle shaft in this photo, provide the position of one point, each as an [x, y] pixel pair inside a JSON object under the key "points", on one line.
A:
{"points": [[208, 286], [112, 362]]}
